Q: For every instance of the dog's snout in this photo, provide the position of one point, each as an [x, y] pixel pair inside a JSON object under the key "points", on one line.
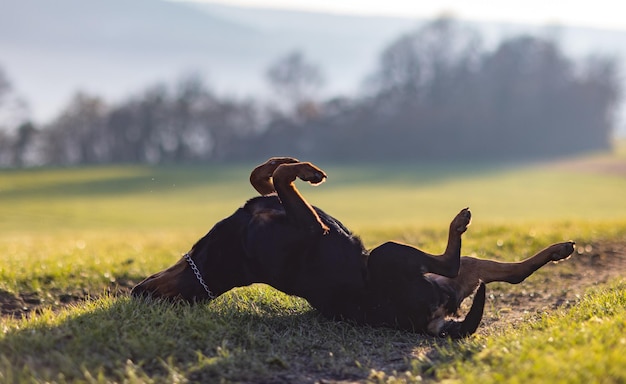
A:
{"points": [[139, 289], [171, 283], [147, 288]]}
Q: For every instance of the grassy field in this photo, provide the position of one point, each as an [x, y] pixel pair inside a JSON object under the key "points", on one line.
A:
{"points": [[72, 242]]}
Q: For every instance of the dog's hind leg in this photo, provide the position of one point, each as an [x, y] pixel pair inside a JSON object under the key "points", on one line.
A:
{"points": [[391, 259], [261, 176], [473, 270], [300, 213], [459, 329]]}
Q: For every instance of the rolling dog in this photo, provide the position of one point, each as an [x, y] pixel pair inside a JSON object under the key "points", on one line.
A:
{"points": [[279, 239]]}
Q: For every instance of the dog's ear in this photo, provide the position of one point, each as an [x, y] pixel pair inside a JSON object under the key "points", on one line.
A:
{"points": [[458, 330]]}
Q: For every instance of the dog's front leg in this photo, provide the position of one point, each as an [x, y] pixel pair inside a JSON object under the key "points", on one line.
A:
{"points": [[300, 213], [261, 176]]}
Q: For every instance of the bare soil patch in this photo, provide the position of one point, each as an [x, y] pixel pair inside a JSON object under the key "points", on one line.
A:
{"points": [[558, 285], [23, 304]]}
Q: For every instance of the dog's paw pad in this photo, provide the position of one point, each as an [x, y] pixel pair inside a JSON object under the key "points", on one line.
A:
{"points": [[312, 174], [462, 220], [562, 251], [317, 178]]}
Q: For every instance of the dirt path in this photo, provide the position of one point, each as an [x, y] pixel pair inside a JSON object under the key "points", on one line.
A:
{"points": [[560, 284], [27, 303]]}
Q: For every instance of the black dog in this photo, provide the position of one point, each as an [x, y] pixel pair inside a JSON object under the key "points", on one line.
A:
{"points": [[281, 240]]}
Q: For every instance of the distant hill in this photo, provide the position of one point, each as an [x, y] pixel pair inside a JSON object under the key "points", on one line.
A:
{"points": [[50, 49]]}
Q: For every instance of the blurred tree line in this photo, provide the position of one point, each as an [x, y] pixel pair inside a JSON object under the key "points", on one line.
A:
{"points": [[436, 94]]}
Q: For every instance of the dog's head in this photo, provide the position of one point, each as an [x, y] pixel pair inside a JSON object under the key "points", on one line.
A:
{"points": [[212, 267], [178, 282]]}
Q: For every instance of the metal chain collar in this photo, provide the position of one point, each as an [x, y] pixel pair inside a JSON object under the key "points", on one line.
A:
{"points": [[196, 271]]}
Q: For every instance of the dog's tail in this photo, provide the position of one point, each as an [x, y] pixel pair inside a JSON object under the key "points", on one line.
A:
{"points": [[460, 329]]}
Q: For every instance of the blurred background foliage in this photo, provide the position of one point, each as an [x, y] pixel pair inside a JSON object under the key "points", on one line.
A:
{"points": [[436, 93]]}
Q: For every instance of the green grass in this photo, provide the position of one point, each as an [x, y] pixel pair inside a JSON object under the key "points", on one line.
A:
{"points": [[584, 344], [89, 231], [247, 334], [379, 196]]}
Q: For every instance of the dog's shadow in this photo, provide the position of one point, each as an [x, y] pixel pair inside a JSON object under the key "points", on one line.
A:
{"points": [[245, 335]]}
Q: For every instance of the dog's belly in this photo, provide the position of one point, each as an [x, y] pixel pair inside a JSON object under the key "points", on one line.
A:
{"points": [[329, 270]]}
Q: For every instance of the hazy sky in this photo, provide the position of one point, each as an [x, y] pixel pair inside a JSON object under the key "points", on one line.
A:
{"points": [[610, 14]]}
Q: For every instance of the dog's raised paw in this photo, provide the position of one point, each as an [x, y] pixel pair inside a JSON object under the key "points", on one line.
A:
{"points": [[462, 220], [311, 173], [562, 251]]}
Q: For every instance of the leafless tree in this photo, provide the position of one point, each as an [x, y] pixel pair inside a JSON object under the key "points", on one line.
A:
{"points": [[297, 81], [78, 135], [425, 62]]}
